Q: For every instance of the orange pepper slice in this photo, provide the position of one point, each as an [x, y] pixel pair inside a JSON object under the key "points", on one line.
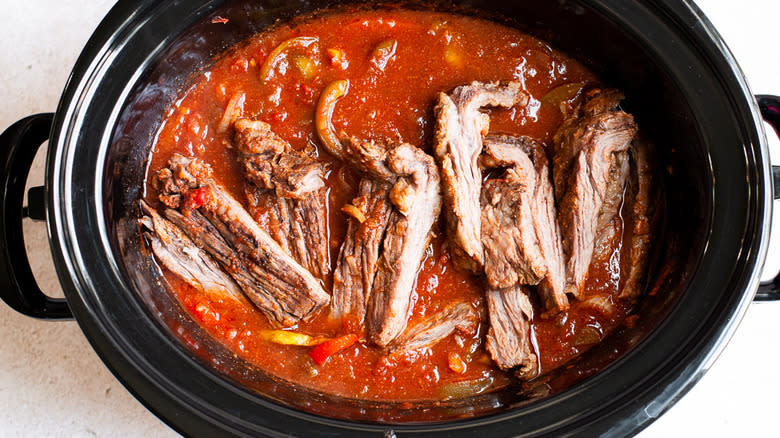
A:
{"points": [[322, 352]]}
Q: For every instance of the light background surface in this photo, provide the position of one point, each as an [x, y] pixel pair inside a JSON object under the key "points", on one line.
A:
{"points": [[53, 385]]}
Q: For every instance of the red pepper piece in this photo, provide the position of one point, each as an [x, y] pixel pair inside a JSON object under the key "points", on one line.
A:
{"points": [[196, 198], [322, 352], [305, 94]]}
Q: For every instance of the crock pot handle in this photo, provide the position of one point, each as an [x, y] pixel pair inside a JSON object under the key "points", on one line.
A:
{"points": [[18, 288], [770, 111]]}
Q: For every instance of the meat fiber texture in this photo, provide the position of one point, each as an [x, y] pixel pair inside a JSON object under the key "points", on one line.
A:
{"points": [[278, 285], [290, 185], [589, 171], [460, 126], [520, 234], [508, 339], [399, 201]]}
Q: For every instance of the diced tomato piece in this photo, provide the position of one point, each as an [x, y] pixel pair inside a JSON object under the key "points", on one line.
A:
{"points": [[305, 93], [197, 198], [206, 314], [201, 310], [322, 352]]}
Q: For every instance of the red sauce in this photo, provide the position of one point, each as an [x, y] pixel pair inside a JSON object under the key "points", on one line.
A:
{"points": [[434, 52]]}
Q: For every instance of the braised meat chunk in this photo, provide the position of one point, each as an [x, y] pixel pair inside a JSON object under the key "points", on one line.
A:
{"points": [[416, 196], [460, 126], [251, 279], [216, 222], [409, 180], [642, 232], [271, 163], [353, 277], [177, 253], [460, 317], [289, 185], [511, 248], [520, 234], [589, 172], [509, 338], [299, 226]]}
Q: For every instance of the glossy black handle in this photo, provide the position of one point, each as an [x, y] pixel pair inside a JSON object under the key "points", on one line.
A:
{"points": [[18, 288], [770, 111]]}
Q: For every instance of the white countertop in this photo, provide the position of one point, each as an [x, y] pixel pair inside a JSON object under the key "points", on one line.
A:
{"points": [[53, 384]]}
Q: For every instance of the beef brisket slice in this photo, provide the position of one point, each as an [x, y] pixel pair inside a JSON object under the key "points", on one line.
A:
{"points": [[271, 163], [358, 260], [511, 247], [460, 126], [509, 337], [411, 179], [417, 199], [610, 224], [356, 266], [586, 152], [252, 280], [290, 184], [520, 233], [281, 286], [459, 317], [177, 253], [642, 181]]}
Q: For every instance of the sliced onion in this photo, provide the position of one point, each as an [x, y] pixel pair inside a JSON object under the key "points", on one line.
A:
{"points": [[324, 114], [278, 53], [587, 335], [233, 110], [563, 93], [465, 388], [600, 303]]}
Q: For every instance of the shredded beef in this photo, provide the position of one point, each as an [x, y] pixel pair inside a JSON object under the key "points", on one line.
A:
{"points": [[509, 337], [460, 317], [642, 233], [289, 186], [460, 126], [520, 233], [356, 267], [179, 254], [587, 149], [406, 179]]}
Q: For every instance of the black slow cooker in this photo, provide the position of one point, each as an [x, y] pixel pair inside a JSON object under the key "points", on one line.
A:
{"points": [[682, 84]]}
